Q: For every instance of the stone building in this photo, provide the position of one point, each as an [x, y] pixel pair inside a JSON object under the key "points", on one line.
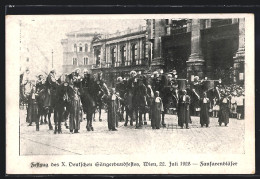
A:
{"points": [[77, 49], [212, 48], [119, 53]]}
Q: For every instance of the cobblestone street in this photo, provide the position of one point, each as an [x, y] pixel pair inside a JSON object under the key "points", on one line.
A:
{"points": [[128, 140]]}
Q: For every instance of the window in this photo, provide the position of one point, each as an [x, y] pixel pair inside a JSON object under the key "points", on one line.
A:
{"points": [[85, 61], [86, 47], [113, 56], [123, 55], [146, 51], [134, 54], [75, 48], [97, 57], [166, 21], [80, 48], [74, 61]]}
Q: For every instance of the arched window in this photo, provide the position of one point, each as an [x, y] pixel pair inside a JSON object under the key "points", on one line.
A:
{"points": [[74, 61], [86, 47], [134, 54], [85, 60], [113, 56], [75, 47], [123, 55], [80, 48]]}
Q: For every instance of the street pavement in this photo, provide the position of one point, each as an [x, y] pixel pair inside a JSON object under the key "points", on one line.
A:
{"points": [[128, 140]]}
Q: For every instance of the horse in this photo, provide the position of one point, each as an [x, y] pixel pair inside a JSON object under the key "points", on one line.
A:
{"points": [[61, 103], [89, 92]]}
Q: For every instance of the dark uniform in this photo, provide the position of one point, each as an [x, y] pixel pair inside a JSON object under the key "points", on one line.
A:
{"points": [[139, 101], [184, 111], [121, 89]]}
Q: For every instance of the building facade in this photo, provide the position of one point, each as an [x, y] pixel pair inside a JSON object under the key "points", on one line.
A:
{"points": [[212, 48], [119, 53], [78, 50]]}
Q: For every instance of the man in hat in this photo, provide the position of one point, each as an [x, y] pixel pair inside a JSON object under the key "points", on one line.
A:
{"points": [[51, 85], [40, 86], [77, 78], [205, 106], [156, 82], [184, 110], [120, 88]]}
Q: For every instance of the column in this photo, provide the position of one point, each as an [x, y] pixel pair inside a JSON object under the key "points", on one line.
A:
{"points": [[239, 58], [196, 62]]}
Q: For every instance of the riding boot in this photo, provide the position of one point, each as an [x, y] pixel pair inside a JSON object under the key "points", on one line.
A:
{"points": [[56, 129], [59, 129], [145, 122], [37, 127]]}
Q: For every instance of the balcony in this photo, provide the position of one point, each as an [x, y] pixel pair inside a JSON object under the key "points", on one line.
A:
{"points": [[179, 30]]}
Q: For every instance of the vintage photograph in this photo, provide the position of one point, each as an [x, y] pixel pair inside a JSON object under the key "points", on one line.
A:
{"points": [[145, 86]]}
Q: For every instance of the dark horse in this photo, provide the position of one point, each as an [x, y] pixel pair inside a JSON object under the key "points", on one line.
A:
{"points": [[61, 103], [89, 91]]}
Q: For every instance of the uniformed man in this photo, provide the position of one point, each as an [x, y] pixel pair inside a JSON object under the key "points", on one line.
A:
{"points": [[120, 88], [77, 79]]}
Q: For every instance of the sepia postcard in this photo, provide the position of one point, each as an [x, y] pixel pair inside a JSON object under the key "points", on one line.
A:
{"points": [[130, 94]]}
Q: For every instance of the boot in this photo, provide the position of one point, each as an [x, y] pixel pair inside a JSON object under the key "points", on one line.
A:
{"points": [[50, 127], [92, 128], [59, 130], [56, 129], [76, 131], [37, 127]]}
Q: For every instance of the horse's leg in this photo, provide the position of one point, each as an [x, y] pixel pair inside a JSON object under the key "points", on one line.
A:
{"points": [[141, 112], [55, 120], [90, 122], [60, 117], [45, 115], [94, 114], [126, 116], [145, 123], [49, 119], [99, 109]]}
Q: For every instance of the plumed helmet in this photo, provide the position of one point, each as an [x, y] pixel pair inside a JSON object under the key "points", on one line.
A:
{"points": [[85, 70], [119, 79], [133, 73]]}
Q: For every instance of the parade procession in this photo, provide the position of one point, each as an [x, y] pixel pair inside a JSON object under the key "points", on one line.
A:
{"points": [[163, 67], [71, 99]]}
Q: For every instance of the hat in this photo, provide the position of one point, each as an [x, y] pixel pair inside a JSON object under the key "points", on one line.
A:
{"points": [[169, 75], [85, 70], [133, 73], [119, 79]]}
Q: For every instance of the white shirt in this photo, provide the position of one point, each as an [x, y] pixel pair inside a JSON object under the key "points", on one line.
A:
{"points": [[157, 100], [184, 97], [205, 100], [240, 100], [224, 100]]}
